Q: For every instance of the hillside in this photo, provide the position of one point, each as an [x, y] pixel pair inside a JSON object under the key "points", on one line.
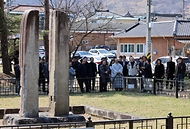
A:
{"points": [[139, 6], [134, 6]]}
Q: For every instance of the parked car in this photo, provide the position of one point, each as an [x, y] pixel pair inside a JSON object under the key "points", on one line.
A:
{"points": [[102, 53], [81, 54], [101, 47], [165, 59], [113, 52], [42, 53]]}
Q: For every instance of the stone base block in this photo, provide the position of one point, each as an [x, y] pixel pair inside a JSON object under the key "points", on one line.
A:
{"points": [[15, 119]]}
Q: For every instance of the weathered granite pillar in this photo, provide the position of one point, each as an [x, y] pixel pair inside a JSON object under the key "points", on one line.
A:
{"points": [[29, 63], [58, 64]]}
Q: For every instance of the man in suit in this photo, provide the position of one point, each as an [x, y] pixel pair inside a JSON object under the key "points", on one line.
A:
{"points": [[170, 70], [92, 71], [81, 75]]}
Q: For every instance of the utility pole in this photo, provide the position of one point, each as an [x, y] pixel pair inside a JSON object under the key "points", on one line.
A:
{"points": [[183, 9], [148, 33], [46, 28]]}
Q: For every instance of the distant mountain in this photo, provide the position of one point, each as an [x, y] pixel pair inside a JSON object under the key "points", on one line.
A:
{"points": [[134, 6], [139, 6]]}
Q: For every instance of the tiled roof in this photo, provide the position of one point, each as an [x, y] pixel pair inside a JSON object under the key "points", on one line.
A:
{"points": [[111, 27], [182, 28], [158, 29], [22, 8]]}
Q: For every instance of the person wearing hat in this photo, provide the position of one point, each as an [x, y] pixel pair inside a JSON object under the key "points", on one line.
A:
{"points": [[180, 73]]}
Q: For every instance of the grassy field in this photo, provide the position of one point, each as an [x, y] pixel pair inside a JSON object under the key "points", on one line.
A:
{"points": [[137, 104]]}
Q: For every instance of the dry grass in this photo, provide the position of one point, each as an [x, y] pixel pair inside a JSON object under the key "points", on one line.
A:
{"points": [[138, 104]]}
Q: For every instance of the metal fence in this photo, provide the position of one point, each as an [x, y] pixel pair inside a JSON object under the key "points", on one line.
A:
{"points": [[171, 88], [7, 86], [149, 123], [168, 122], [130, 84], [65, 125]]}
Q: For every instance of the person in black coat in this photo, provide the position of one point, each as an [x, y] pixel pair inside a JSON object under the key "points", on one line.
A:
{"points": [[75, 63], [92, 71], [147, 69], [17, 76], [81, 75], [159, 73], [180, 73], [124, 64], [170, 72], [125, 70], [16, 55], [120, 59], [141, 71], [41, 79]]}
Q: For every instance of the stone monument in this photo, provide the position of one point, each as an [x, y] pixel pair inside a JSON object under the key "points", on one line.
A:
{"points": [[29, 63], [58, 64], [58, 67]]}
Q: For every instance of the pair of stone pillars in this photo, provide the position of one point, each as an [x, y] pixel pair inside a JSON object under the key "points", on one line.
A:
{"points": [[58, 64]]}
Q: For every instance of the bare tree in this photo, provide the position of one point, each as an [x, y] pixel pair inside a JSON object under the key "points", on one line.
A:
{"points": [[4, 41], [46, 28], [81, 13]]}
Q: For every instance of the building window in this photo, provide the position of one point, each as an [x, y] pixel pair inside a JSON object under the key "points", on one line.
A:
{"points": [[121, 48], [140, 48], [127, 48]]}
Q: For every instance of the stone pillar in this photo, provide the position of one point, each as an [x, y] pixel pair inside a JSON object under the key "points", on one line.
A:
{"points": [[58, 64], [29, 63]]}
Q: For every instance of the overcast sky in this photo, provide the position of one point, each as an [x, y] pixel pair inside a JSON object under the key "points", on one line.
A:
{"points": [[25, 2]]}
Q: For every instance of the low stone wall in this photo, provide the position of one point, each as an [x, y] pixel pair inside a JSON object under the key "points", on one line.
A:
{"points": [[108, 114], [73, 109], [79, 110]]}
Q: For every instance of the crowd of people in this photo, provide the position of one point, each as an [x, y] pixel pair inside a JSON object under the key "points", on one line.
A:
{"points": [[118, 69], [116, 72]]}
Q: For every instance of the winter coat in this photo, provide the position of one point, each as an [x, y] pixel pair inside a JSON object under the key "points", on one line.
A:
{"points": [[125, 69], [132, 70], [81, 71], [92, 70], [148, 71], [183, 69], [170, 69], [104, 77], [159, 71]]}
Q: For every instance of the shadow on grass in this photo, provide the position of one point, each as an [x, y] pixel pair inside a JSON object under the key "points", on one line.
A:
{"points": [[99, 94], [112, 93], [9, 96]]}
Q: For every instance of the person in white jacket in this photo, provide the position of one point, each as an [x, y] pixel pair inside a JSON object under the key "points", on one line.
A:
{"points": [[116, 76], [133, 67], [133, 70]]}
